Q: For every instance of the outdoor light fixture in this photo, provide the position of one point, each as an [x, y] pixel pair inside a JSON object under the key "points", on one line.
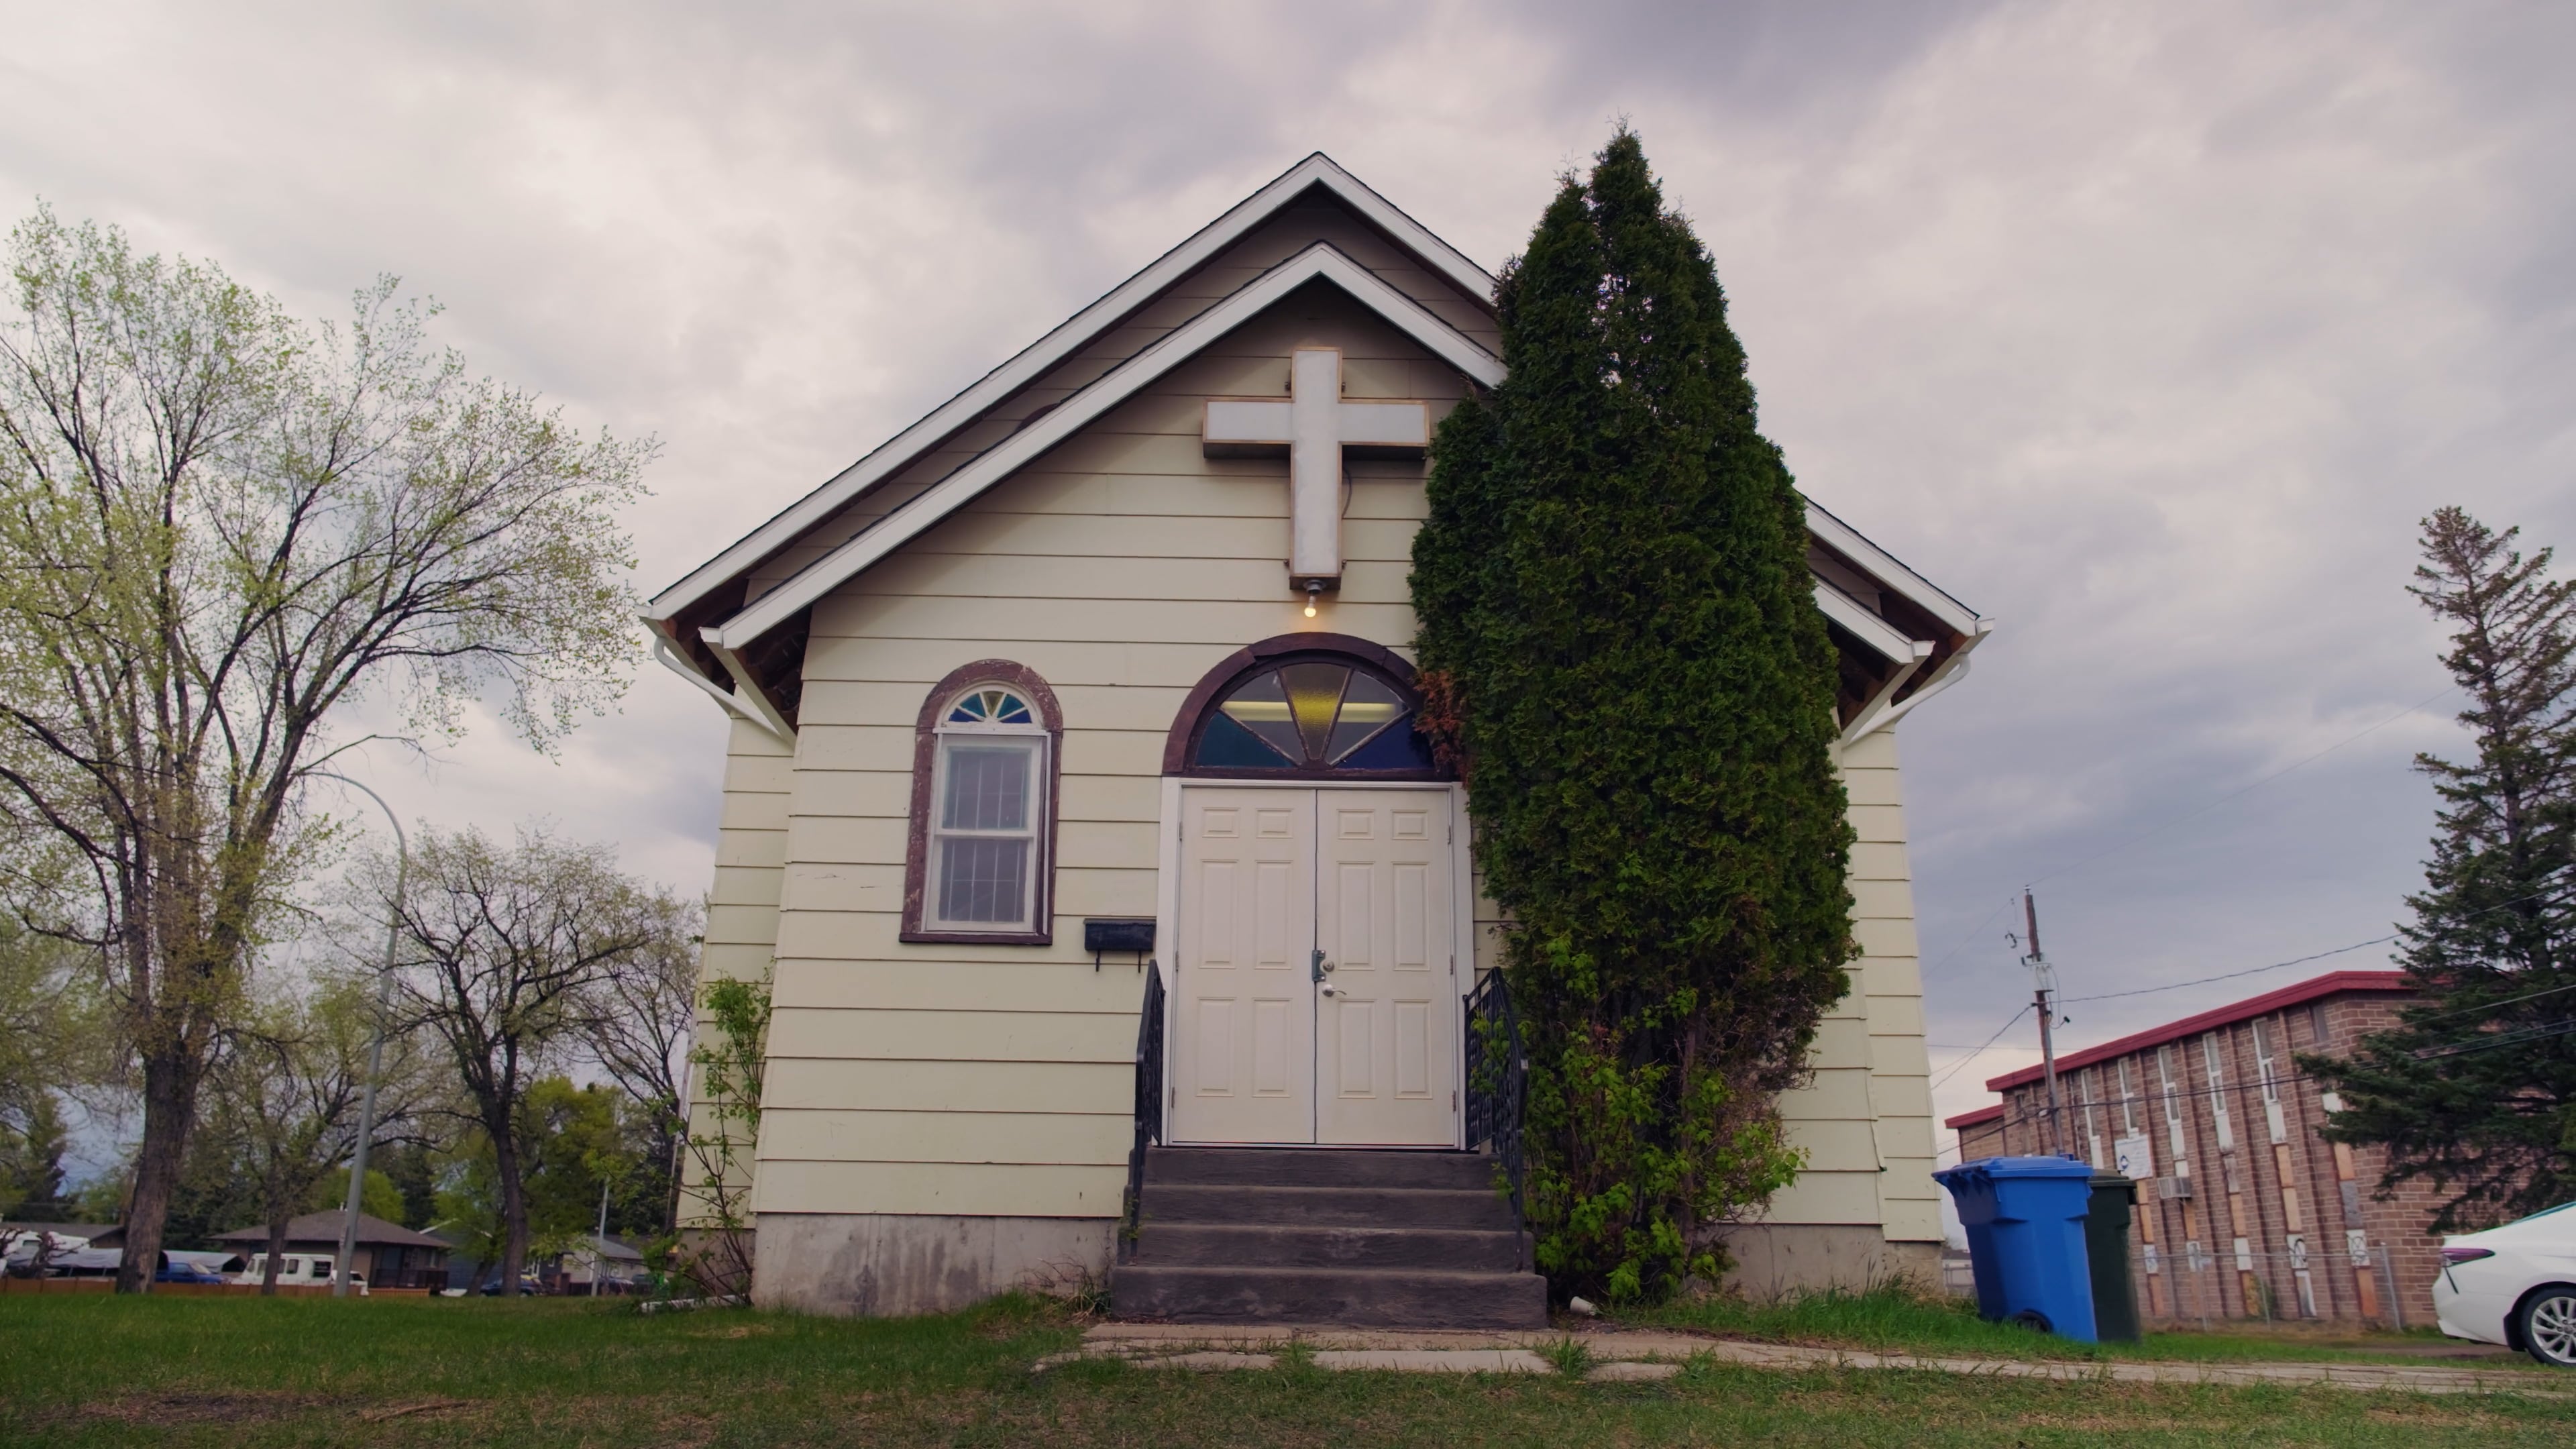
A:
{"points": [[1314, 588]]}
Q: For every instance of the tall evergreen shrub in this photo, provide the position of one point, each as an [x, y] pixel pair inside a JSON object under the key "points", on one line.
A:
{"points": [[1623, 650]]}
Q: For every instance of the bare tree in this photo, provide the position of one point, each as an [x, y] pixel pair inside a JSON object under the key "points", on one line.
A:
{"points": [[218, 528], [501, 951], [636, 1023], [285, 1095]]}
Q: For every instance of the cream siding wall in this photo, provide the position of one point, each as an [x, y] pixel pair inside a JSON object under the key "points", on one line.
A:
{"points": [[1121, 568], [751, 856]]}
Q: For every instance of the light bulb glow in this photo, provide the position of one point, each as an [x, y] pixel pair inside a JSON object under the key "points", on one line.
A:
{"points": [[1314, 590], [1310, 606]]}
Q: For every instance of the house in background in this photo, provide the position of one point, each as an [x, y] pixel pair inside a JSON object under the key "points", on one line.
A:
{"points": [[1119, 640], [388, 1256], [618, 1264], [2244, 1209]]}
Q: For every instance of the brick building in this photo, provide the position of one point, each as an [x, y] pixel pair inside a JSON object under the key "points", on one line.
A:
{"points": [[2244, 1209]]}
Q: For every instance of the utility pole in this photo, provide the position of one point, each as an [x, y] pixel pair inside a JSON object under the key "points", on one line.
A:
{"points": [[2043, 982], [599, 1244]]}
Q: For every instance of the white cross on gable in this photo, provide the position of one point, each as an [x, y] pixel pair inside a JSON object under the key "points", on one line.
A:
{"points": [[1314, 428]]}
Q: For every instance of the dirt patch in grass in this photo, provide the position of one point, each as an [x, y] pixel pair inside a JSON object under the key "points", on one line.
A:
{"points": [[172, 1407]]}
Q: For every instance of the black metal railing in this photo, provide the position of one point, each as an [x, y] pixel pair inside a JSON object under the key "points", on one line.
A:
{"points": [[1149, 1111], [1497, 1087]]}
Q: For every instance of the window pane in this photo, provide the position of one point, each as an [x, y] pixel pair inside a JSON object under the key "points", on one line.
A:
{"points": [[1397, 747], [1314, 697], [1261, 706], [1225, 745], [983, 880], [988, 787], [1367, 707]]}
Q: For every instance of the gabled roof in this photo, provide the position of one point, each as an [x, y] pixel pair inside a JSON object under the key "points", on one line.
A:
{"points": [[1317, 171], [2333, 983], [324, 1227], [708, 626]]}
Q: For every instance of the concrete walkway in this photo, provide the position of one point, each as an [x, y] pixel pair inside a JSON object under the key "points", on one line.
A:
{"points": [[1624, 1356]]}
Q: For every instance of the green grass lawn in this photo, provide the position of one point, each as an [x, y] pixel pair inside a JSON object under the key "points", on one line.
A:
{"points": [[105, 1371], [1898, 1321]]}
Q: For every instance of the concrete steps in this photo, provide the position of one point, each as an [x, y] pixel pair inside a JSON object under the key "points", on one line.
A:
{"points": [[1326, 1236]]}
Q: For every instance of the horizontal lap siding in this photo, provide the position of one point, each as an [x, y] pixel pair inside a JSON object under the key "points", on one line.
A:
{"points": [[751, 854], [1865, 1121], [1121, 567]]}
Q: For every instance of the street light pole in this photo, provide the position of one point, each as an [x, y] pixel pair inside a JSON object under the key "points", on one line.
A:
{"points": [[375, 1044]]}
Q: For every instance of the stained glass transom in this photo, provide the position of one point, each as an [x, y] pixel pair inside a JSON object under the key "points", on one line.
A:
{"points": [[1312, 715], [990, 705]]}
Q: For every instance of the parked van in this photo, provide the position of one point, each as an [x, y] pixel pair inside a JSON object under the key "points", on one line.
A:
{"points": [[298, 1270]]}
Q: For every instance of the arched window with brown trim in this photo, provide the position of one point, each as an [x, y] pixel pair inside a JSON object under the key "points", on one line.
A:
{"points": [[979, 857], [1304, 706]]}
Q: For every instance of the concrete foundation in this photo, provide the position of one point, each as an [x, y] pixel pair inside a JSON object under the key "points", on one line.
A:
{"points": [[882, 1265], [1776, 1260]]}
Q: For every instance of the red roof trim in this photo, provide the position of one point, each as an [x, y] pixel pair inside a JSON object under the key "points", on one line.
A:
{"points": [[1977, 1118], [2331, 984]]}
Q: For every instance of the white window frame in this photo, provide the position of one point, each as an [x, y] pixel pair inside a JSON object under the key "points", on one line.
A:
{"points": [[2128, 1101], [2097, 1149], [1034, 821], [2272, 1116], [2213, 1056], [2175, 1132]]}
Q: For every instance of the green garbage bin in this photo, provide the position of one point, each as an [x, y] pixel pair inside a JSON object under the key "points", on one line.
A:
{"points": [[2106, 1247]]}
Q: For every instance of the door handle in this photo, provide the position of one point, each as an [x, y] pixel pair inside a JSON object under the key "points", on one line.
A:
{"points": [[1332, 991]]}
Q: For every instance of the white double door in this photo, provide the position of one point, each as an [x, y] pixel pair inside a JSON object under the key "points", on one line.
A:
{"points": [[1316, 991]]}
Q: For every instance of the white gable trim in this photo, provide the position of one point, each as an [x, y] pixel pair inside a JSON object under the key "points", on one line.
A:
{"points": [[1843, 539], [1891, 642], [1320, 261], [1043, 356]]}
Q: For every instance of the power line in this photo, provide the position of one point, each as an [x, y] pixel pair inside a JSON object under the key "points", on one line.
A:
{"points": [[2232, 975], [2321, 955], [1981, 1051]]}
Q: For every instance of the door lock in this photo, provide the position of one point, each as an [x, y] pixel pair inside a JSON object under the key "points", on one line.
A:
{"points": [[1317, 967]]}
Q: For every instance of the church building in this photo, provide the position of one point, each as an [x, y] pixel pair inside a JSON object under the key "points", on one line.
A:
{"points": [[1115, 647]]}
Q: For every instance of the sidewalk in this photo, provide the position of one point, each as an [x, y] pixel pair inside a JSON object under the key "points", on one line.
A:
{"points": [[1648, 1355]]}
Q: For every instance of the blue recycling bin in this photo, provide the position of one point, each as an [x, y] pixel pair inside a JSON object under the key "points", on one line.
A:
{"points": [[2025, 1221]]}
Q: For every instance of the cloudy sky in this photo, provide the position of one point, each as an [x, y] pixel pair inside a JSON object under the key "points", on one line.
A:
{"points": [[2150, 331]]}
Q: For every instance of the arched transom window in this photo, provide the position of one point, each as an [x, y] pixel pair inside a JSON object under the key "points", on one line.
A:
{"points": [[1312, 716]]}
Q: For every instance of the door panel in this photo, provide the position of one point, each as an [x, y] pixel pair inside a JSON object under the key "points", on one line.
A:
{"points": [[1387, 1055], [1244, 1056]]}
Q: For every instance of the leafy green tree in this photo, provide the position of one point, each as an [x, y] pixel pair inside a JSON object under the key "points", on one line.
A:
{"points": [[52, 1038], [219, 528], [31, 1158], [381, 1198], [2475, 1091], [573, 1140], [1625, 654]]}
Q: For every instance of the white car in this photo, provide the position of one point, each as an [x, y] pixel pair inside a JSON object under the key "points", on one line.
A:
{"points": [[2514, 1285]]}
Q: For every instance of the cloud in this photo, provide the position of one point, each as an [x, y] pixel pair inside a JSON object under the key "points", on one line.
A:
{"points": [[2149, 330]]}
